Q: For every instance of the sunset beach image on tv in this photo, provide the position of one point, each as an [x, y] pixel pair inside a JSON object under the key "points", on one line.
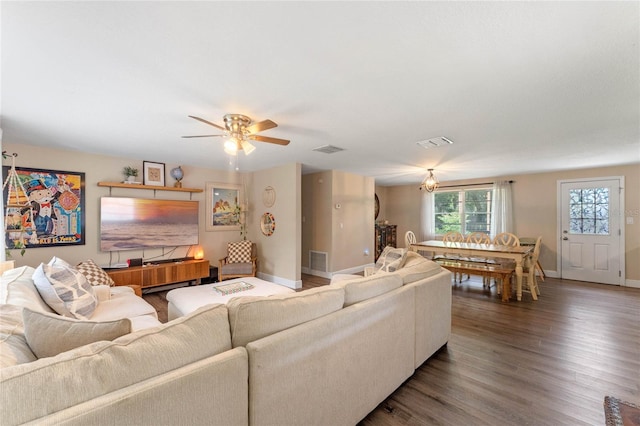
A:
{"points": [[138, 223]]}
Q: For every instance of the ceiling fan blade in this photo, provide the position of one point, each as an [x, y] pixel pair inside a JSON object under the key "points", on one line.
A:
{"points": [[203, 136], [207, 122], [268, 139], [260, 126]]}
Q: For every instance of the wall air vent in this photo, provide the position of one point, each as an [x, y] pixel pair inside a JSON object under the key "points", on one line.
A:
{"points": [[318, 261], [435, 142], [328, 149]]}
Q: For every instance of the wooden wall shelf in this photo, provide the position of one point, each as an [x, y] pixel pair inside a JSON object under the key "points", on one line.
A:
{"points": [[155, 188]]}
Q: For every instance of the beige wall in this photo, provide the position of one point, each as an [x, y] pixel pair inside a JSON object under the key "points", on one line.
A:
{"points": [[345, 233], [317, 217], [535, 209], [279, 253], [352, 223], [99, 168]]}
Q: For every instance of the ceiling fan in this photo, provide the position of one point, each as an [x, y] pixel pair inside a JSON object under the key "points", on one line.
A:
{"points": [[239, 130]]}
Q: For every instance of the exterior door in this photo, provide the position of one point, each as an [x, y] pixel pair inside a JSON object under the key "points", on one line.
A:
{"points": [[590, 231]]}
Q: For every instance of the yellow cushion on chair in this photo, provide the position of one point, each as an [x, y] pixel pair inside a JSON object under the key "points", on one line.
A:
{"points": [[239, 252]]}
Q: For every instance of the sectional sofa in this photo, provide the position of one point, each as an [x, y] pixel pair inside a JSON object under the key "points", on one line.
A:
{"points": [[327, 355]]}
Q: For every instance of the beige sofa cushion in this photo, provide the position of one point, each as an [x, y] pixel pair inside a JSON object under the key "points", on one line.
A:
{"points": [[50, 334], [363, 288], [254, 317], [17, 288], [14, 349], [102, 367], [122, 305], [417, 268]]}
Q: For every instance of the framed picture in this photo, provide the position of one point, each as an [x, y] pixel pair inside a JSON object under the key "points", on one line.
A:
{"points": [[44, 208], [153, 173], [223, 206]]}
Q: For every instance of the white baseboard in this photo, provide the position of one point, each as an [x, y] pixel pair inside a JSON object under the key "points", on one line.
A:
{"points": [[322, 274], [329, 275], [627, 282], [632, 283], [294, 284]]}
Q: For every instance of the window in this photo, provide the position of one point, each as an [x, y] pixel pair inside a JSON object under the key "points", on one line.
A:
{"points": [[472, 205], [589, 211]]}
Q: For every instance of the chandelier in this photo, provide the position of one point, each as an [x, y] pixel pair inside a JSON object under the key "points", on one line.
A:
{"points": [[430, 183]]}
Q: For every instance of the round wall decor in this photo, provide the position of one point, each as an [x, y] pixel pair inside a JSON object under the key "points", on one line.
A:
{"points": [[376, 206], [269, 196], [267, 224]]}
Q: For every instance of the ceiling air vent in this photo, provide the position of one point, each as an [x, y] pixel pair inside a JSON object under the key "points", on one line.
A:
{"points": [[328, 149], [435, 142]]}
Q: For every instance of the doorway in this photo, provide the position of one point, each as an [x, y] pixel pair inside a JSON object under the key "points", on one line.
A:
{"points": [[591, 238]]}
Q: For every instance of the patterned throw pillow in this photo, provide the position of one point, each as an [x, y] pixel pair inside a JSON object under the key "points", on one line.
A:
{"points": [[239, 252], [65, 290], [391, 259], [94, 274]]}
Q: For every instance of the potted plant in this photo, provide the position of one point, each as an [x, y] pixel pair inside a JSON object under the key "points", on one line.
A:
{"points": [[130, 173]]}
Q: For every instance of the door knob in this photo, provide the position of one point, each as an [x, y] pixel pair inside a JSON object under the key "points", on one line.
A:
{"points": [[565, 238]]}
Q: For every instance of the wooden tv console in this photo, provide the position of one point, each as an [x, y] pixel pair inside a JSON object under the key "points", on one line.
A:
{"points": [[153, 275]]}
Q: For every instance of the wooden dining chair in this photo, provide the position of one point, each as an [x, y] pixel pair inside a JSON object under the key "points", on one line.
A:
{"points": [[479, 238], [409, 238], [452, 237], [506, 239], [529, 271], [503, 239]]}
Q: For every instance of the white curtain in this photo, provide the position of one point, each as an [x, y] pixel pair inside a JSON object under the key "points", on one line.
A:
{"points": [[426, 217], [501, 207]]}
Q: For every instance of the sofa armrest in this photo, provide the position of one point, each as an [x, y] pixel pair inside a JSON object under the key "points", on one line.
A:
{"points": [[102, 292]]}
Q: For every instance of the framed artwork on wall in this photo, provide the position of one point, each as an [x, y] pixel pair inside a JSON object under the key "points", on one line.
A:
{"points": [[153, 173], [223, 206], [44, 208]]}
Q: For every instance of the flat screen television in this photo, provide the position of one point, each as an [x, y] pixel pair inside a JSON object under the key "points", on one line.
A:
{"points": [[139, 223]]}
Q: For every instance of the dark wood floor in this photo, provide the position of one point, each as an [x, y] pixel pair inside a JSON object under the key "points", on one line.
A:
{"points": [[549, 362]]}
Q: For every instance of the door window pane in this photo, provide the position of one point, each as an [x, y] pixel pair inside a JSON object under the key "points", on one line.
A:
{"points": [[589, 211]]}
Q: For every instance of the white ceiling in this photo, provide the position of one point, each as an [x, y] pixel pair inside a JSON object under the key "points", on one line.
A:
{"points": [[518, 86]]}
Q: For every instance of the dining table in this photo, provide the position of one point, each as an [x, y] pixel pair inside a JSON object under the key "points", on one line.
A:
{"points": [[519, 254]]}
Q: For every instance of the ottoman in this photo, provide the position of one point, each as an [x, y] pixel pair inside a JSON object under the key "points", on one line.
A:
{"points": [[183, 301]]}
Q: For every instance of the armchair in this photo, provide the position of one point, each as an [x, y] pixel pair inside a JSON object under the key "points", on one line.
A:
{"points": [[241, 261]]}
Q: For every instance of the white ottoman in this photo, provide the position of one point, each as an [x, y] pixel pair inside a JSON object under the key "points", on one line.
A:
{"points": [[187, 299]]}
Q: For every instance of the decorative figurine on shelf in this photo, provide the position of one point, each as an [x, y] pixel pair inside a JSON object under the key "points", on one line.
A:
{"points": [[130, 174], [177, 174]]}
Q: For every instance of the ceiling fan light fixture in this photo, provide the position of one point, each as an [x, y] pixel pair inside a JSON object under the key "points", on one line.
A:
{"points": [[238, 130], [430, 183], [231, 146], [247, 147]]}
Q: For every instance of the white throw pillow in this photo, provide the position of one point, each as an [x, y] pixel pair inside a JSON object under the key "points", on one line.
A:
{"points": [[56, 261], [65, 290], [50, 334], [391, 259]]}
